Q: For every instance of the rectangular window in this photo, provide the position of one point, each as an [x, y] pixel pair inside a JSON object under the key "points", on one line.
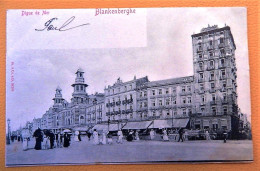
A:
{"points": [[201, 75], [167, 91], [153, 92], [184, 112], [224, 96], [175, 112], [211, 54], [183, 100], [183, 89], [174, 100], [223, 73], [221, 40], [189, 99], [214, 110], [212, 85], [225, 110], [145, 93], [189, 88], [153, 103], [154, 113], [160, 102], [173, 90], [200, 55], [202, 87], [210, 42], [212, 75], [213, 97], [141, 94], [202, 109], [167, 102], [203, 98], [160, 91]]}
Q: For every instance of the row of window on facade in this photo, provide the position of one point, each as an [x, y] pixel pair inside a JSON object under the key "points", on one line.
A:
{"points": [[211, 42], [79, 88], [223, 85], [118, 99], [169, 101], [119, 108], [120, 89], [214, 110], [211, 35], [211, 53], [167, 90], [213, 97], [212, 74], [211, 64]]}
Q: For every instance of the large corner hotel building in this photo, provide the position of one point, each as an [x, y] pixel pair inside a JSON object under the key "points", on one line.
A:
{"points": [[208, 99]]}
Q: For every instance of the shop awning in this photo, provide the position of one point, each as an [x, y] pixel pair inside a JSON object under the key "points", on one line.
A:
{"points": [[111, 127], [180, 123], [82, 128], [137, 125], [100, 127], [161, 124]]}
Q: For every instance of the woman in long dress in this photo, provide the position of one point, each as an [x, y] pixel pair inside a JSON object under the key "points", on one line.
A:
{"points": [[165, 136], [66, 140], [104, 137], [120, 136], [45, 142], [137, 136], [152, 134], [38, 138], [95, 137], [76, 137]]}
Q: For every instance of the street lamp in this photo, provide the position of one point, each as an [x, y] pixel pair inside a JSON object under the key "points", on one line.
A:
{"points": [[8, 131]]}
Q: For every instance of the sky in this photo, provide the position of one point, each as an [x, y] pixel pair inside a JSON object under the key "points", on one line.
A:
{"points": [[160, 49]]}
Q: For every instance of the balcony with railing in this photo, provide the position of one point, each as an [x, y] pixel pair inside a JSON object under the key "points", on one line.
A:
{"points": [[210, 47], [210, 67], [185, 93], [221, 45], [200, 80], [199, 49]]}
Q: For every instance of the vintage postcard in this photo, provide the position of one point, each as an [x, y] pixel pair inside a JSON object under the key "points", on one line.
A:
{"points": [[127, 85]]}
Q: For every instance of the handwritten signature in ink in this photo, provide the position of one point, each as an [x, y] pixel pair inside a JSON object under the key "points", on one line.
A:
{"points": [[48, 26]]}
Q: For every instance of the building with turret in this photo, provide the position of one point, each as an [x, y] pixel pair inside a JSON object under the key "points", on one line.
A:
{"points": [[206, 100]]}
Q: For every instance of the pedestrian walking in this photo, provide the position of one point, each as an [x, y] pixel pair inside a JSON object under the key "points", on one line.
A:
{"points": [[165, 136], [38, 138], [66, 140], [89, 135], [137, 136], [104, 137], [95, 137], [225, 136], [45, 144], [152, 134], [120, 136], [52, 138], [180, 135], [207, 135], [79, 136], [109, 139], [76, 136], [130, 136]]}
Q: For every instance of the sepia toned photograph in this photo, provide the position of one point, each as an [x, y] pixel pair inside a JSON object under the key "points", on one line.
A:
{"points": [[127, 85]]}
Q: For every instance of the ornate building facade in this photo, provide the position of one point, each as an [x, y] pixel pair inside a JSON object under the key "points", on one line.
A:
{"points": [[206, 100]]}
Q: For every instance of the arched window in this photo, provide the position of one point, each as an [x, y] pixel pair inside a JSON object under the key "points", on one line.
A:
{"points": [[81, 119]]}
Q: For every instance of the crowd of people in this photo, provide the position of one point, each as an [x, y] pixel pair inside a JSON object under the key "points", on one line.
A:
{"points": [[46, 139]]}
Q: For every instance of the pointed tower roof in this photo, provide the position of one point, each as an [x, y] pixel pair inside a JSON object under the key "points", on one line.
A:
{"points": [[58, 88], [79, 70]]}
